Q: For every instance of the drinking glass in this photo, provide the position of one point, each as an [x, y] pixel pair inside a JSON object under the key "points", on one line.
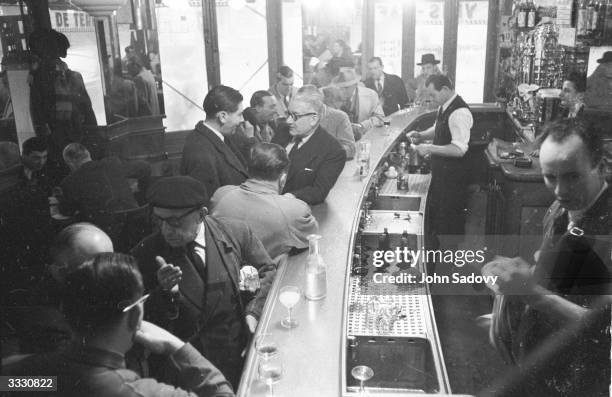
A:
{"points": [[270, 372], [362, 373], [266, 346], [289, 297]]}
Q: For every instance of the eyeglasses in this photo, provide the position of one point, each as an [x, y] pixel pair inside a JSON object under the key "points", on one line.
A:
{"points": [[133, 305], [174, 221], [296, 116]]}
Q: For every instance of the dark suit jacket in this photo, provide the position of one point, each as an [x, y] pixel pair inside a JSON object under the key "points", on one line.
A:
{"points": [[211, 161], [314, 167], [216, 326], [393, 93], [96, 190]]}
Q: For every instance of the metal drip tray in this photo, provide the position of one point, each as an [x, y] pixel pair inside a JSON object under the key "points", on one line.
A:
{"points": [[410, 298], [396, 222], [390, 198], [399, 364]]}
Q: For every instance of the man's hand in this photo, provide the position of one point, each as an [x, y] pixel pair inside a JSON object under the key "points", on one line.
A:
{"points": [[515, 276], [415, 136], [424, 149], [168, 275], [249, 130], [157, 339], [251, 322]]}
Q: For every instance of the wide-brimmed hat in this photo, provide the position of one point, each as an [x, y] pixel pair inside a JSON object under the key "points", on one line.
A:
{"points": [[606, 58], [428, 58]]}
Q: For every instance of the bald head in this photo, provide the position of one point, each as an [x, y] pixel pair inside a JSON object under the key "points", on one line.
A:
{"points": [[75, 244]]}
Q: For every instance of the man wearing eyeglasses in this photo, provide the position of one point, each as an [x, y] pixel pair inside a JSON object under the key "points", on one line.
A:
{"points": [[103, 304], [316, 158], [195, 269]]}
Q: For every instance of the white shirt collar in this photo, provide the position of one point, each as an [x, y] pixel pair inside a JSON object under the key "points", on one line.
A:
{"points": [[306, 138], [217, 133], [447, 103], [200, 238]]}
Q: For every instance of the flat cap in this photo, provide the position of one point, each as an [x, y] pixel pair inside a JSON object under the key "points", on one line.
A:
{"points": [[177, 192]]}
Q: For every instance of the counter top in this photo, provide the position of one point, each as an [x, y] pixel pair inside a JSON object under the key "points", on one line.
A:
{"points": [[510, 171], [311, 353]]}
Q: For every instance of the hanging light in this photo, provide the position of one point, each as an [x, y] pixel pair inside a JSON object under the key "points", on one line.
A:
{"points": [[99, 8]]}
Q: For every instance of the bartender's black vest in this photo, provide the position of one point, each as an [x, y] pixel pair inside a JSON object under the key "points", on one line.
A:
{"points": [[452, 166]]}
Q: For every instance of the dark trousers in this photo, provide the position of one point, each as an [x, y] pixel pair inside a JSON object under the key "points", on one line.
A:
{"points": [[446, 203]]}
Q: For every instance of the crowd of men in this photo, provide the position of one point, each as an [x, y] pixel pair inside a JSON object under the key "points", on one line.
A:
{"points": [[173, 313]]}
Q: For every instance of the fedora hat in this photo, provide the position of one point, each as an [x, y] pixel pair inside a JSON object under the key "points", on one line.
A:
{"points": [[428, 58], [606, 58]]}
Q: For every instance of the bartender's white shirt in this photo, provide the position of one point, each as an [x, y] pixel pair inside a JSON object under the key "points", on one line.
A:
{"points": [[460, 123]]}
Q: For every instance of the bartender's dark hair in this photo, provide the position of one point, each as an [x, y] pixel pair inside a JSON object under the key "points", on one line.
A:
{"points": [[267, 161], [560, 130], [97, 291], [221, 99], [439, 81]]}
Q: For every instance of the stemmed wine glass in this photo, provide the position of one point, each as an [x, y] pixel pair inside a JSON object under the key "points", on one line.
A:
{"points": [[362, 373], [289, 296], [270, 371], [266, 346]]}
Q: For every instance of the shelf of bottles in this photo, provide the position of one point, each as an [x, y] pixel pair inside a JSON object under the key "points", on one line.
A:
{"points": [[537, 53], [593, 22], [13, 36]]}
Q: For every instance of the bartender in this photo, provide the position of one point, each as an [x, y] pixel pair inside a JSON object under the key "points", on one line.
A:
{"points": [[572, 95], [449, 168]]}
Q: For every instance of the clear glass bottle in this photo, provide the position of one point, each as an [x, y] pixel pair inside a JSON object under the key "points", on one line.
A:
{"points": [[316, 271]]}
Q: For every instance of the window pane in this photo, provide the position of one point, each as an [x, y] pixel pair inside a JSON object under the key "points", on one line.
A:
{"points": [[429, 31], [472, 49], [181, 53], [388, 34], [83, 53], [328, 22], [292, 39], [243, 45]]}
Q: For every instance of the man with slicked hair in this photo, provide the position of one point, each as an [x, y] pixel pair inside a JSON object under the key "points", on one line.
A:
{"points": [[210, 155], [259, 122]]}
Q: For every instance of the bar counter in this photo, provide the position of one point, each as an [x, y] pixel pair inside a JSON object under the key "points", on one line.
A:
{"points": [[311, 353]]}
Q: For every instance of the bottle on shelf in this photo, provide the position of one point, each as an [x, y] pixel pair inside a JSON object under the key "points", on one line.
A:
{"points": [[531, 14], [521, 16], [316, 272], [384, 241], [606, 24], [582, 19]]}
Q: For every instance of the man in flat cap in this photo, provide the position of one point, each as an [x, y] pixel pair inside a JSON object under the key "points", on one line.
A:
{"points": [[195, 266]]}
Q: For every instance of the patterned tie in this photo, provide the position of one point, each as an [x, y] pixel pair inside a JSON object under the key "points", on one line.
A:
{"points": [[378, 87], [296, 142]]}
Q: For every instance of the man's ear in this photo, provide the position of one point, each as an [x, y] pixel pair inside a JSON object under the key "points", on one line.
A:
{"points": [[203, 213], [222, 117], [134, 318]]}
